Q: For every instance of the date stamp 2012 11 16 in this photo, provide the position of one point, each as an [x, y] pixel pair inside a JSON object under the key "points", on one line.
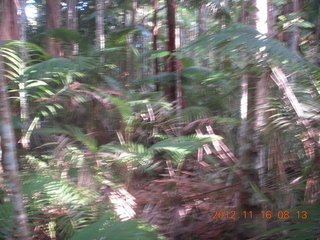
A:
{"points": [[269, 215]]}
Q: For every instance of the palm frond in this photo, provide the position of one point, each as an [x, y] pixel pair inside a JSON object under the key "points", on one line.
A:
{"points": [[179, 147], [238, 40], [61, 65]]}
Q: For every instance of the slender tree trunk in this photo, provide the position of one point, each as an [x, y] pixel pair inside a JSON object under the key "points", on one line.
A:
{"points": [[247, 151], [10, 161], [134, 5], [72, 21], [271, 18], [202, 27], [155, 39], [132, 41], [318, 37], [9, 31], [178, 82], [100, 38], [295, 36], [202, 23], [53, 21], [171, 18]]}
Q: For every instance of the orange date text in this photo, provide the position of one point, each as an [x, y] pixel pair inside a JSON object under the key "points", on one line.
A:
{"points": [[266, 214]]}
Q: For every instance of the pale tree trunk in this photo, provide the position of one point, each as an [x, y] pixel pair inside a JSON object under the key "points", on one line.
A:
{"points": [[53, 21], [179, 92], [132, 41], [202, 27], [24, 106], [72, 21], [10, 161], [100, 38], [272, 18], [261, 93], [253, 106], [294, 41]]}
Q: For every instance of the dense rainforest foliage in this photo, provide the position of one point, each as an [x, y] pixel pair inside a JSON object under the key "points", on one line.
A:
{"points": [[153, 119]]}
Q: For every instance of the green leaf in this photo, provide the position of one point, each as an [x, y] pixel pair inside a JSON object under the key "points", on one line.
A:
{"points": [[160, 54], [304, 24]]}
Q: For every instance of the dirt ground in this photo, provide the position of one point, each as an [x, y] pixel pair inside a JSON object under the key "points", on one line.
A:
{"points": [[181, 207]]}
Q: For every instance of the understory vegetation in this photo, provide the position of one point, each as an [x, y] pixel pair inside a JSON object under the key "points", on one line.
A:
{"points": [[212, 133]]}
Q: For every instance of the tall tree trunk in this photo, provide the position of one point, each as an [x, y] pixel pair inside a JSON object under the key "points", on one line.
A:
{"points": [[100, 38], [252, 151], [247, 151], [261, 92], [10, 161], [53, 21], [9, 20], [72, 21], [173, 91], [171, 64], [9, 31], [155, 39]]}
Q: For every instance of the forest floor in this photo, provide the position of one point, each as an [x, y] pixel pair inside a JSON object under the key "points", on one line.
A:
{"points": [[182, 207]]}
